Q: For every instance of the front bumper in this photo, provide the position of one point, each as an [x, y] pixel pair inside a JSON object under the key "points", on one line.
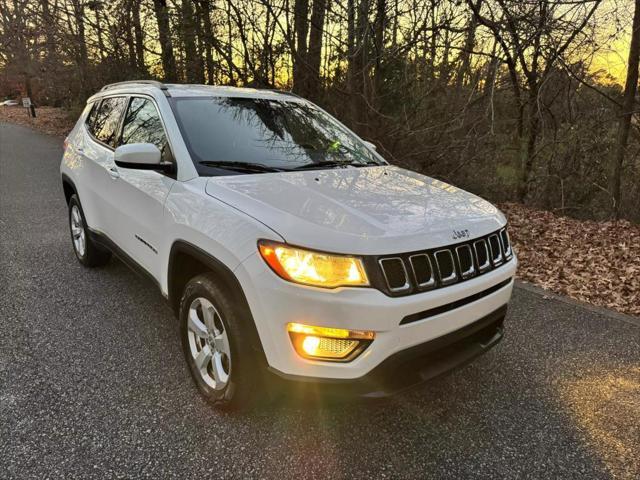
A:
{"points": [[275, 302], [418, 364]]}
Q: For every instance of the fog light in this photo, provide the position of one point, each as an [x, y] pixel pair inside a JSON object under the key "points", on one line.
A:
{"points": [[310, 345], [333, 344]]}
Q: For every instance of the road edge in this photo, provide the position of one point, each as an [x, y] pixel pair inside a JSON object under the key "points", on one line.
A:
{"points": [[34, 128], [541, 292]]}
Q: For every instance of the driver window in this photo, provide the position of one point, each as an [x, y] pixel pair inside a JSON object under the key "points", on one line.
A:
{"points": [[142, 125]]}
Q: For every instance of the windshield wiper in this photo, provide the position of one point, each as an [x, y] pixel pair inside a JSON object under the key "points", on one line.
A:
{"points": [[323, 164], [240, 166], [333, 163]]}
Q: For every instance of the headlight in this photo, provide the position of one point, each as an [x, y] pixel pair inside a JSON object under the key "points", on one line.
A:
{"points": [[333, 344], [313, 268]]}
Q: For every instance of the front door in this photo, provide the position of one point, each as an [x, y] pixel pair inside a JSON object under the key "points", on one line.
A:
{"points": [[138, 196]]}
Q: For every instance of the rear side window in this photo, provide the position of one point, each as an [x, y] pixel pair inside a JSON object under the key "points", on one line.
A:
{"points": [[107, 119], [142, 124], [91, 118]]}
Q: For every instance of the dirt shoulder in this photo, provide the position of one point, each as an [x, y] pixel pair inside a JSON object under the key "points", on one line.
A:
{"points": [[594, 262], [50, 120]]}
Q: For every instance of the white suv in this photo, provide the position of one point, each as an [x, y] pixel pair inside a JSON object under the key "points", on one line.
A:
{"points": [[285, 244]]}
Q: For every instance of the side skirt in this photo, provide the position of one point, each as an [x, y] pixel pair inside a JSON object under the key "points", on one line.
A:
{"points": [[105, 242]]}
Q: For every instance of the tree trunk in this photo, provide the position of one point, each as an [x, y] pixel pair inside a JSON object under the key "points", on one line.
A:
{"points": [[380, 27], [351, 60], [362, 68], [27, 85], [357, 16], [433, 44], [208, 40], [102, 50], [528, 142], [444, 63], [315, 48], [301, 26], [131, 45], [626, 113], [229, 47], [465, 56], [193, 62], [139, 38], [49, 26], [265, 53], [82, 55], [166, 44], [50, 62]]}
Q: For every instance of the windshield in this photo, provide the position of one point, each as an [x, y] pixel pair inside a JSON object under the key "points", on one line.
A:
{"points": [[227, 135]]}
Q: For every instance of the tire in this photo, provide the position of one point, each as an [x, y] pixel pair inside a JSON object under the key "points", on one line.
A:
{"points": [[87, 251], [217, 349]]}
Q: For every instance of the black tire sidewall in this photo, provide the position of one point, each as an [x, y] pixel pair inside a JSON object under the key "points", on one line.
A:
{"points": [[233, 395], [94, 255], [73, 201]]}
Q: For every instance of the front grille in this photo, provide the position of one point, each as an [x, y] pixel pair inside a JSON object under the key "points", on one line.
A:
{"points": [[414, 272]]}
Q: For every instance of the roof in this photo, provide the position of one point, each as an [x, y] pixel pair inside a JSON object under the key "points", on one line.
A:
{"points": [[192, 90]]}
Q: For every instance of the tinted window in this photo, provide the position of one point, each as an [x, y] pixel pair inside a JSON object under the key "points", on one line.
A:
{"points": [[107, 120], [91, 118], [142, 125], [276, 133]]}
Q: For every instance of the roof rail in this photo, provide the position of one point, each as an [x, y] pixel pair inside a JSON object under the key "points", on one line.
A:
{"points": [[283, 92], [154, 83]]}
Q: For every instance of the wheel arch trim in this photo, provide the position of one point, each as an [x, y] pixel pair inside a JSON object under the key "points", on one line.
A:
{"points": [[222, 271], [66, 180]]}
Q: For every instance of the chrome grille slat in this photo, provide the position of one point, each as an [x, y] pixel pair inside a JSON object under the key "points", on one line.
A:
{"points": [[470, 272], [496, 251], [432, 278], [406, 285], [449, 279], [486, 265], [505, 241]]}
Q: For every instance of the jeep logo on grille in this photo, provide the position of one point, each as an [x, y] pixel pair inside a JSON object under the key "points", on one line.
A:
{"points": [[458, 234]]}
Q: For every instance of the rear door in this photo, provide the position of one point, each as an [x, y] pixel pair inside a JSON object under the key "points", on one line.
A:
{"points": [[97, 151], [138, 196]]}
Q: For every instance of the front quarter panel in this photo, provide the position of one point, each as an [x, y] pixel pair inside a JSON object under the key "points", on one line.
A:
{"points": [[222, 231]]}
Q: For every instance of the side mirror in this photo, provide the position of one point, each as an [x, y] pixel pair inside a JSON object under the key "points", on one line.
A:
{"points": [[372, 146], [141, 156]]}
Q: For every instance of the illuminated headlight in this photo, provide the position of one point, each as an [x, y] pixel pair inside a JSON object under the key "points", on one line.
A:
{"points": [[322, 343], [313, 268]]}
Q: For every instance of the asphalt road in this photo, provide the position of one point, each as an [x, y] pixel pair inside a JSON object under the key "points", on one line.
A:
{"points": [[93, 383]]}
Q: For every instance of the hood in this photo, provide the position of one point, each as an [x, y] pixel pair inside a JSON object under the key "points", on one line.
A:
{"points": [[370, 210]]}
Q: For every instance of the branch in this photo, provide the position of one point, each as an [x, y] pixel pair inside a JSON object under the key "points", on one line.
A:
{"points": [[588, 85]]}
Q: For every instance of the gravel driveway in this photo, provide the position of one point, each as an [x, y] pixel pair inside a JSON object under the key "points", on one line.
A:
{"points": [[93, 384]]}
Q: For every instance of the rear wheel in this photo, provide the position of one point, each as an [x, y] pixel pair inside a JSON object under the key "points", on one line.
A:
{"points": [[87, 251], [217, 350]]}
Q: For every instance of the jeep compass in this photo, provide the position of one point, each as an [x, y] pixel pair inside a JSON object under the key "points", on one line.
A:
{"points": [[286, 245]]}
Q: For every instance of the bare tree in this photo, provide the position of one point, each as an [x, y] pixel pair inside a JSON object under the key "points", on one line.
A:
{"points": [[626, 111], [499, 96], [166, 43], [532, 36]]}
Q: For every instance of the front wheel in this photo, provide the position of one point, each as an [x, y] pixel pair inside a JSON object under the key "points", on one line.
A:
{"points": [[215, 346], [88, 253]]}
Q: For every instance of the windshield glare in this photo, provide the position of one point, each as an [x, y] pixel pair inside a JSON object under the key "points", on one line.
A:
{"points": [[279, 134]]}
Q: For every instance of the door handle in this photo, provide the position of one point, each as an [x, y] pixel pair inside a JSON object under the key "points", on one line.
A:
{"points": [[113, 171]]}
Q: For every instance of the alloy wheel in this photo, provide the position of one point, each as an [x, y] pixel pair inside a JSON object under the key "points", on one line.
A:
{"points": [[77, 231], [209, 343]]}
